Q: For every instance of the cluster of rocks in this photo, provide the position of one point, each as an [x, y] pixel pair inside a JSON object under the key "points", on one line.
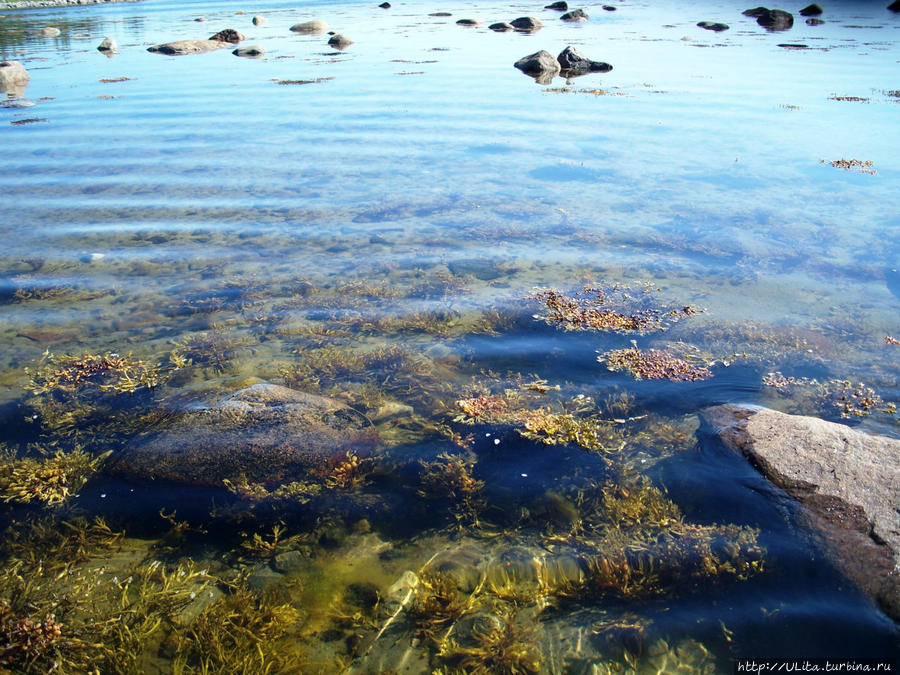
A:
{"points": [[543, 66], [224, 38], [524, 24], [316, 27]]}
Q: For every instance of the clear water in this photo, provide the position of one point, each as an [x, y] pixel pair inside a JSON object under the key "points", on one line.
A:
{"points": [[419, 172]]}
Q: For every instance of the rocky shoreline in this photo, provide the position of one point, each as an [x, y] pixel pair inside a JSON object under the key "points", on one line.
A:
{"points": [[44, 4]]}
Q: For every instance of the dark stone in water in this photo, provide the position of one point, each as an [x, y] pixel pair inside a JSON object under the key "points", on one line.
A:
{"points": [[814, 22], [526, 24], [501, 27], [894, 6], [776, 19], [575, 15], [573, 63], [385, 5], [609, 8], [755, 12], [712, 25], [228, 35], [562, 6], [811, 10], [540, 63], [266, 432]]}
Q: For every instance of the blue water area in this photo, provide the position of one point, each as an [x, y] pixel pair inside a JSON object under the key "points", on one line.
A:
{"points": [[376, 224]]}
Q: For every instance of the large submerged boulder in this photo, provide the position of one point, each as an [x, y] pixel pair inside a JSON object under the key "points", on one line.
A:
{"points": [[849, 481], [265, 432]]}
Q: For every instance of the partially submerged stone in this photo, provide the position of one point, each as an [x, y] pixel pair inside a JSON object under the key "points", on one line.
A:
{"points": [[228, 35], [894, 6], [265, 432], [573, 62], [560, 6], [259, 20], [712, 25], [13, 76], [526, 24], [183, 47], [501, 27], [250, 52], [575, 15], [849, 481], [108, 45], [812, 10], [339, 41], [775, 19], [49, 31], [539, 63], [314, 27]]}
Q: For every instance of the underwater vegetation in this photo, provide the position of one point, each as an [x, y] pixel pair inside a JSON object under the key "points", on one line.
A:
{"points": [[653, 364], [616, 308], [50, 480], [851, 400]]}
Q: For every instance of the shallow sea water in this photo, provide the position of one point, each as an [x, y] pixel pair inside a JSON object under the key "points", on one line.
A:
{"points": [[376, 234]]}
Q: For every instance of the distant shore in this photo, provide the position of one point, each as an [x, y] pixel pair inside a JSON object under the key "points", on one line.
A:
{"points": [[41, 4]]}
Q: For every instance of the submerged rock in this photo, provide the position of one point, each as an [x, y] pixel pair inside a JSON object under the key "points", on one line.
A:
{"points": [[314, 27], [712, 25], [182, 47], [13, 76], [575, 15], [572, 62], [849, 481], [49, 31], [894, 6], [755, 12], [811, 10], [266, 432], [526, 24], [108, 45], [501, 27], [468, 22], [259, 20], [775, 19], [558, 6]]}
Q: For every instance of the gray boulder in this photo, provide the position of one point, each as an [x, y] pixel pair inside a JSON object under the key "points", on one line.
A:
{"points": [[183, 47], [539, 65], [712, 25], [558, 6], [811, 10], [339, 41], [775, 19], [228, 35], [573, 62], [49, 31], [250, 52], [314, 27], [501, 27], [755, 12], [259, 20], [265, 432], [526, 24], [13, 76], [848, 481], [108, 45], [575, 15]]}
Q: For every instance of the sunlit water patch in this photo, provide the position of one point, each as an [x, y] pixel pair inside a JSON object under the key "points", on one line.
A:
{"points": [[526, 291]]}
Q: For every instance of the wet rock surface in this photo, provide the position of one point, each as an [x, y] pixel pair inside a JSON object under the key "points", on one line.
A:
{"points": [[339, 41], [575, 15], [526, 24], [108, 45], [314, 27], [228, 35], [573, 62], [812, 10], [250, 52], [541, 65], [12, 76], [183, 47], [712, 25], [848, 481], [266, 432], [775, 19]]}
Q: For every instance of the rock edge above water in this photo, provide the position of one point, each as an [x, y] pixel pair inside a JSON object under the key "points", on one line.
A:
{"points": [[849, 481]]}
